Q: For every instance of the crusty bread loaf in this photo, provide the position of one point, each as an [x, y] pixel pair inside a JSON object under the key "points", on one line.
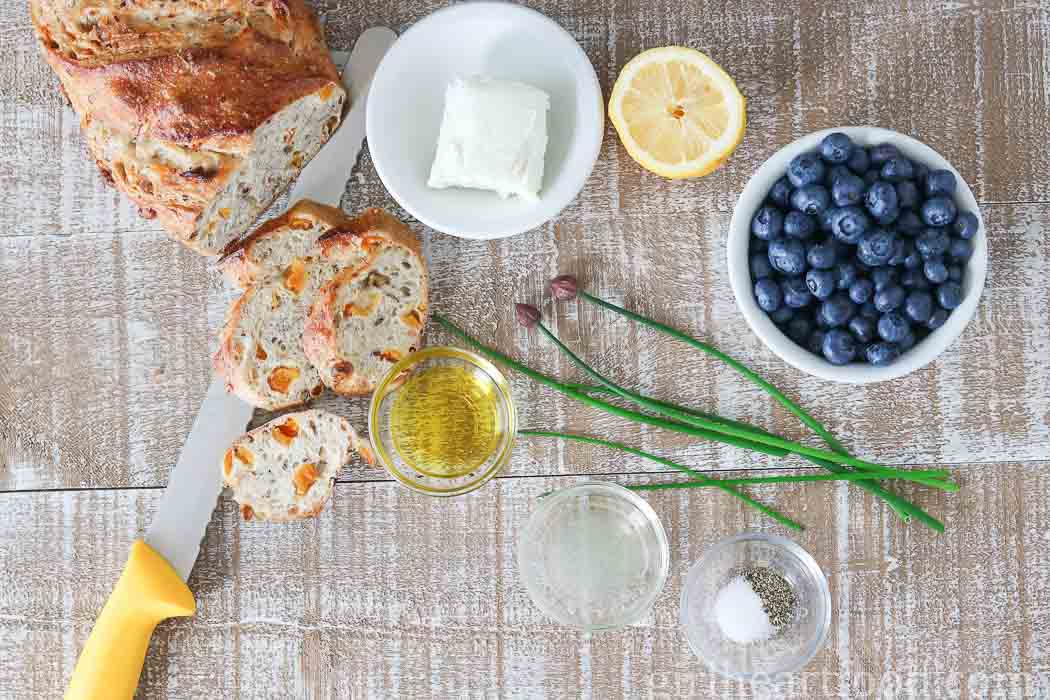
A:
{"points": [[284, 470], [202, 112], [283, 266], [367, 318]]}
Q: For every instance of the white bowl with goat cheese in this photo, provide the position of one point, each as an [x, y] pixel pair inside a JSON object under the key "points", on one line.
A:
{"points": [[480, 182]]}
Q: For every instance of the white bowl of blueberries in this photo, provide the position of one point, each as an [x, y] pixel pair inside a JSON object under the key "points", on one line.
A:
{"points": [[857, 254]]}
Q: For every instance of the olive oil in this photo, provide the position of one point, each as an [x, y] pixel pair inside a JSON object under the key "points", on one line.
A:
{"points": [[445, 421]]}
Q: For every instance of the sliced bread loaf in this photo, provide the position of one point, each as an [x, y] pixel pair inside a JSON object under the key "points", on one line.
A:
{"points": [[367, 318], [283, 267], [285, 469]]}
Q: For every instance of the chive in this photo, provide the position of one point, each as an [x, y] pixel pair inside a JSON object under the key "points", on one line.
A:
{"points": [[852, 476], [903, 508], [699, 476], [931, 477], [894, 500]]}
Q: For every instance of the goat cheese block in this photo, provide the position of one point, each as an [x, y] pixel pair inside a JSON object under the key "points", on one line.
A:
{"points": [[493, 137]]}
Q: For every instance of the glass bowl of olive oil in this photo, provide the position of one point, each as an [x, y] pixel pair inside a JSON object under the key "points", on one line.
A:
{"points": [[442, 421]]}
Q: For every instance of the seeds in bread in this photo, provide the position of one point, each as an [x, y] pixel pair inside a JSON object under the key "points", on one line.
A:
{"points": [[285, 469], [367, 318]]}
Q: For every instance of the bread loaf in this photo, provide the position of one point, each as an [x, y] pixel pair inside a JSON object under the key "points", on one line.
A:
{"points": [[284, 266], [201, 111], [285, 469]]}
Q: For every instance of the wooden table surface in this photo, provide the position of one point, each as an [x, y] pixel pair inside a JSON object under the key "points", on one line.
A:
{"points": [[107, 328]]}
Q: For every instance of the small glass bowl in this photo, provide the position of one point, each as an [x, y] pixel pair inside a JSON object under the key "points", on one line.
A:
{"points": [[379, 422], [785, 653], [594, 556]]}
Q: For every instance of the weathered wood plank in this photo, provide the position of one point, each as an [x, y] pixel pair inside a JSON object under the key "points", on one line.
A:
{"points": [[393, 594], [106, 347]]}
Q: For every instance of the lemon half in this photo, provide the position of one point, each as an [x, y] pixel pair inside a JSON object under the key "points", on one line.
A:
{"points": [[677, 112]]}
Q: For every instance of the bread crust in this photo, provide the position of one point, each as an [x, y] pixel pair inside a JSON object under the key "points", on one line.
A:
{"points": [[183, 87]]}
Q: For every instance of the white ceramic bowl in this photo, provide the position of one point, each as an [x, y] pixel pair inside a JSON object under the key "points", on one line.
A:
{"points": [[799, 357], [494, 40]]}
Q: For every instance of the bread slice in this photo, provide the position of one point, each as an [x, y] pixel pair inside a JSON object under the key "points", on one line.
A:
{"points": [[285, 469], [367, 318], [283, 266], [202, 113]]}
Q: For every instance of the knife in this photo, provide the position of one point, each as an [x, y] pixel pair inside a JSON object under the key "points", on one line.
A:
{"points": [[152, 586]]}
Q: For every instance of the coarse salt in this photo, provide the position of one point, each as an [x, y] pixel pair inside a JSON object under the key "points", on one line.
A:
{"points": [[740, 615]]}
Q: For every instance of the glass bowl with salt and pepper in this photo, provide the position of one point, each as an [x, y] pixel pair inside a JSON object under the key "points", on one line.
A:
{"points": [[756, 607]]}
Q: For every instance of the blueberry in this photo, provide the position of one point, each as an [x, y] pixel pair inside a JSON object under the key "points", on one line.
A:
{"points": [[960, 250], [767, 223], [757, 245], [845, 275], [799, 225], [811, 199], [796, 293], [914, 260], [966, 225], [937, 319], [768, 295], [940, 183], [932, 242], [875, 247], [847, 190], [760, 266], [798, 329], [848, 224], [897, 169], [880, 199], [888, 217], [907, 195], [868, 310], [889, 298], [909, 224], [938, 211], [935, 270], [839, 347], [805, 169], [836, 148], [918, 306], [882, 354], [949, 295], [862, 328], [893, 327], [821, 256], [780, 193], [837, 309], [871, 177], [782, 315], [883, 277], [902, 248], [815, 344], [955, 273], [858, 160], [914, 279], [907, 342], [821, 283], [882, 153], [861, 291], [787, 255]]}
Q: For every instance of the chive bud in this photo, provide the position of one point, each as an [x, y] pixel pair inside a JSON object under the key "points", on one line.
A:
{"points": [[563, 287], [528, 316]]}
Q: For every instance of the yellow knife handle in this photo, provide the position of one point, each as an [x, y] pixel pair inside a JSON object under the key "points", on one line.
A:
{"points": [[149, 591]]}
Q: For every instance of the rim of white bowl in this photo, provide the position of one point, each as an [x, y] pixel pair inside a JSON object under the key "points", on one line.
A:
{"points": [[737, 260], [590, 132]]}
